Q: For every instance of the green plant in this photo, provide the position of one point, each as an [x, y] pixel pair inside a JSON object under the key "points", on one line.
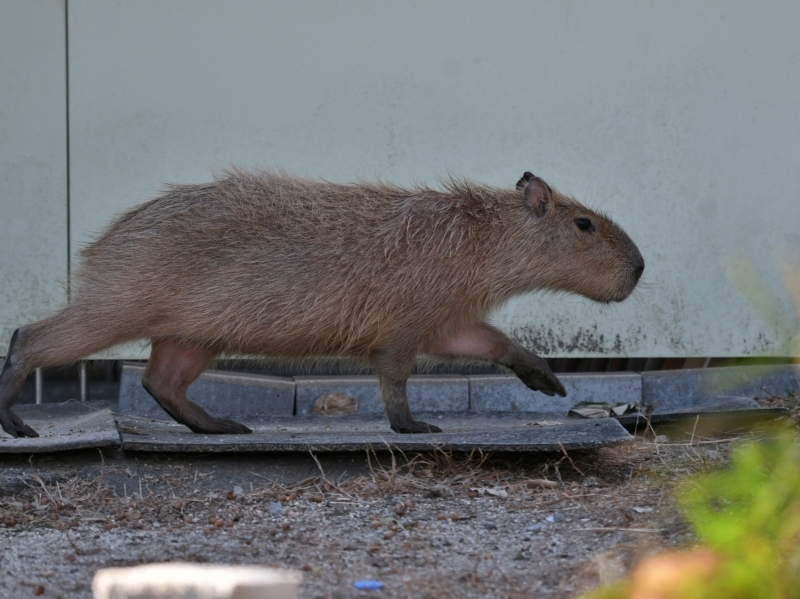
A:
{"points": [[747, 518]]}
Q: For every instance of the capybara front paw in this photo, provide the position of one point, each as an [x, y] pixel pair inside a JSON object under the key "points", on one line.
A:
{"points": [[545, 382]]}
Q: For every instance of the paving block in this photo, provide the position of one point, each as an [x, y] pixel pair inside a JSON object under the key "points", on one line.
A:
{"points": [[506, 393], [227, 394], [439, 393], [675, 390]]}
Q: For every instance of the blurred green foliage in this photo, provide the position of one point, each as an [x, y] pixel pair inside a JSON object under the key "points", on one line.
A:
{"points": [[749, 516]]}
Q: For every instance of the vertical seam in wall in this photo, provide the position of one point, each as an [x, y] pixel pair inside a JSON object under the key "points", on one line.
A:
{"points": [[66, 93]]}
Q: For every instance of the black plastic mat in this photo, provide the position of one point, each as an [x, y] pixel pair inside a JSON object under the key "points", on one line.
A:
{"points": [[63, 427], [462, 432]]}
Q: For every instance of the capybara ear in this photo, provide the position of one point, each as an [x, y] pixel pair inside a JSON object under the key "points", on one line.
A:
{"points": [[538, 196], [526, 176]]}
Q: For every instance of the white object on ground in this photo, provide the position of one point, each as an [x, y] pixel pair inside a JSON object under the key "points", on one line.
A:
{"points": [[195, 581]]}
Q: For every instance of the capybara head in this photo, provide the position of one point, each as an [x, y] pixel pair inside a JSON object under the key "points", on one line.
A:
{"points": [[577, 249]]}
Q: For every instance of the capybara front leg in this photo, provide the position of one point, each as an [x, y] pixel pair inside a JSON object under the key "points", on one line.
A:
{"points": [[172, 367], [487, 343], [12, 377]]}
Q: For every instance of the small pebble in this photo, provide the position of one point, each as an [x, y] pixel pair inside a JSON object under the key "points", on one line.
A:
{"points": [[535, 527], [555, 518], [276, 508]]}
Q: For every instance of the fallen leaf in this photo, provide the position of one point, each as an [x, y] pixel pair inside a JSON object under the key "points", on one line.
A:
{"points": [[334, 404]]}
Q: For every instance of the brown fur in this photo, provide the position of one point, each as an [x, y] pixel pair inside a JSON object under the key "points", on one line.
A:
{"points": [[269, 264]]}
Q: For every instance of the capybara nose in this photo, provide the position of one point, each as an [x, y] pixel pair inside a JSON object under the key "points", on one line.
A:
{"points": [[639, 270]]}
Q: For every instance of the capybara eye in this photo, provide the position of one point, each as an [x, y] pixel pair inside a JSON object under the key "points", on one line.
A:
{"points": [[584, 224]]}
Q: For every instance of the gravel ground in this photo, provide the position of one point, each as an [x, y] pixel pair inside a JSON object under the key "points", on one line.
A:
{"points": [[428, 526]]}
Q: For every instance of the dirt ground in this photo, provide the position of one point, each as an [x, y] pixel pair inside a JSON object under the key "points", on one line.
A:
{"points": [[432, 525]]}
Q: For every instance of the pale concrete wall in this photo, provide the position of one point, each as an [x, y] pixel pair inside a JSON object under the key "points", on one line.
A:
{"points": [[678, 119], [33, 162]]}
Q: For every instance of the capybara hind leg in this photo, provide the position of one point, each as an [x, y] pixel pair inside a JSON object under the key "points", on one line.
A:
{"points": [[12, 377], [393, 376], [487, 343], [172, 367], [76, 331]]}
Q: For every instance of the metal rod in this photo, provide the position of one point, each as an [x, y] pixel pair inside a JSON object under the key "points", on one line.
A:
{"points": [[38, 386], [83, 383]]}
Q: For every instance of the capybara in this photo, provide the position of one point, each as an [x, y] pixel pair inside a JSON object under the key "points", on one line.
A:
{"points": [[268, 264]]}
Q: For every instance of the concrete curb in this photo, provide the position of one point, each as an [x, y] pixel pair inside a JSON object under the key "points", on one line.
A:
{"points": [[506, 393], [441, 393], [681, 389], [236, 395], [246, 396]]}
